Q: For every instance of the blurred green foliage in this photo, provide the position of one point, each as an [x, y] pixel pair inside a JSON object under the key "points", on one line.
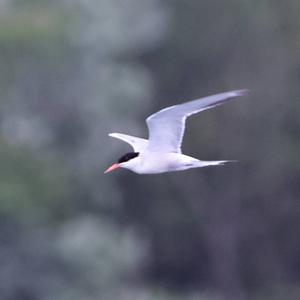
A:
{"points": [[30, 187], [73, 71]]}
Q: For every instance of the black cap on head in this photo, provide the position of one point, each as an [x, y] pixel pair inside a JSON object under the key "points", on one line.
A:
{"points": [[128, 156]]}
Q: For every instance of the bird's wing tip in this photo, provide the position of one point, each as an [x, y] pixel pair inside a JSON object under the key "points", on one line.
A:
{"points": [[242, 92]]}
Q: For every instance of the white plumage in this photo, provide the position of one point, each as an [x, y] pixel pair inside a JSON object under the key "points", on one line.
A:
{"points": [[162, 151]]}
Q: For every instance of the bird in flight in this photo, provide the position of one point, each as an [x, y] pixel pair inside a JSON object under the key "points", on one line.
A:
{"points": [[162, 151]]}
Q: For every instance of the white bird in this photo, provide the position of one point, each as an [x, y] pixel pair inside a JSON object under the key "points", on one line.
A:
{"points": [[162, 151]]}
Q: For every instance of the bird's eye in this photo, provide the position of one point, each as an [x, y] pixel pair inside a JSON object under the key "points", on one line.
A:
{"points": [[128, 156]]}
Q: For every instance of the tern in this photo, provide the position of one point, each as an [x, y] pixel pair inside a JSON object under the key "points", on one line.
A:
{"points": [[162, 151]]}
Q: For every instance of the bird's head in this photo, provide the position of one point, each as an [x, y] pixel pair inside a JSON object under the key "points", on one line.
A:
{"points": [[126, 161]]}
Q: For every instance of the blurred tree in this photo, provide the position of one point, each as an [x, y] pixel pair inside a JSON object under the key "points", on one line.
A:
{"points": [[30, 188], [215, 46], [64, 74], [72, 71]]}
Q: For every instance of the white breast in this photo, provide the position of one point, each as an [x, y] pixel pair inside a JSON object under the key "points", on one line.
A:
{"points": [[156, 162]]}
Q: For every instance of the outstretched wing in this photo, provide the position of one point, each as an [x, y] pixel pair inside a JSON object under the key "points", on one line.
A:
{"points": [[166, 127], [138, 144]]}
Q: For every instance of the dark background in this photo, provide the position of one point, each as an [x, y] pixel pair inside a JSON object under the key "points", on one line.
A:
{"points": [[73, 71]]}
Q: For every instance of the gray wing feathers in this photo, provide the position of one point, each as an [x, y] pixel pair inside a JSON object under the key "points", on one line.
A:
{"points": [[166, 127]]}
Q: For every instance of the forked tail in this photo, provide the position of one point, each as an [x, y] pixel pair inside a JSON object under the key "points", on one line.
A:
{"points": [[203, 163]]}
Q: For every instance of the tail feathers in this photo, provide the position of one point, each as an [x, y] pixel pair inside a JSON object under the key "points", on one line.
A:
{"points": [[214, 163]]}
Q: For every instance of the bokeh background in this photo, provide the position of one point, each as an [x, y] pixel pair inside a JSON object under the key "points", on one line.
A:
{"points": [[73, 71]]}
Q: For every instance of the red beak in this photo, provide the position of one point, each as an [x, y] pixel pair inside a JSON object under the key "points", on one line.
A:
{"points": [[111, 168]]}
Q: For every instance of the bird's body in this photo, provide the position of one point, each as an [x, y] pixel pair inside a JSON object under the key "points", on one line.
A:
{"points": [[162, 151], [157, 162]]}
